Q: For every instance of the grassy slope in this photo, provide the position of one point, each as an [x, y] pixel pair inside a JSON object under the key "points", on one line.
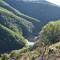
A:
{"points": [[1, 0], [19, 13], [56, 45], [11, 30], [13, 34], [20, 20], [34, 23], [9, 40], [50, 33], [26, 54]]}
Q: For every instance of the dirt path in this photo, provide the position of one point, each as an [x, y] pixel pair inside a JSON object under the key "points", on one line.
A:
{"points": [[44, 58], [40, 58], [57, 58]]}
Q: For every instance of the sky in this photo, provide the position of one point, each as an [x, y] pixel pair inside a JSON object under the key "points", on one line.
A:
{"points": [[57, 2], [31, 0]]}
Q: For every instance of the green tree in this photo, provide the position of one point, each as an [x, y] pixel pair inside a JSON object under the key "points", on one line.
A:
{"points": [[4, 56], [50, 33]]}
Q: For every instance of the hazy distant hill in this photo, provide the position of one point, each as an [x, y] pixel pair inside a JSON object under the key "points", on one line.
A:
{"points": [[42, 10], [32, 22]]}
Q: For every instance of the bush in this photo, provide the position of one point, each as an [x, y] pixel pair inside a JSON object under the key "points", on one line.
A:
{"points": [[4, 56], [50, 33]]}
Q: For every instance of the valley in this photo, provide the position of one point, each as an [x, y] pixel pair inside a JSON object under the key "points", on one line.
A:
{"points": [[28, 30]]}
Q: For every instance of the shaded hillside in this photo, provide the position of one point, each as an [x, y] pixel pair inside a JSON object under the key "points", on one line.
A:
{"points": [[35, 22], [9, 40], [44, 11], [9, 19], [14, 27], [11, 30], [48, 39]]}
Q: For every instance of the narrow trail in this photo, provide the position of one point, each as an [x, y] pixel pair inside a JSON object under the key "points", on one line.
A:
{"points": [[44, 58], [40, 58]]}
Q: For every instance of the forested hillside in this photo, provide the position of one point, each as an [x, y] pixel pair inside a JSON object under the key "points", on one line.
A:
{"points": [[49, 34], [25, 38], [44, 11], [33, 23]]}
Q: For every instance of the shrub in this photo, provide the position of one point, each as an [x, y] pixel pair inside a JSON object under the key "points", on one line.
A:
{"points": [[50, 33], [4, 56]]}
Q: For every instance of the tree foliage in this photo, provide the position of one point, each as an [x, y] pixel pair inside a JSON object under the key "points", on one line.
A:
{"points": [[50, 33]]}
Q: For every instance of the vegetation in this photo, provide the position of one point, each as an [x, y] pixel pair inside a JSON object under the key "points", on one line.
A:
{"points": [[21, 54], [28, 24], [15, 26], [10, 40], [50, 33], [28, 54], [56, 45], [12, 30], [4, 56], [1, 0], [15, 21]]}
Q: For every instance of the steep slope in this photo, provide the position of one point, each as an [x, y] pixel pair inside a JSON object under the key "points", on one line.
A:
{"points": [[44, 11], [14, 26], [11, 35], [9, 40], [49, 34], [10, 20], [36, 23], [56, 45], [37, 10]]}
